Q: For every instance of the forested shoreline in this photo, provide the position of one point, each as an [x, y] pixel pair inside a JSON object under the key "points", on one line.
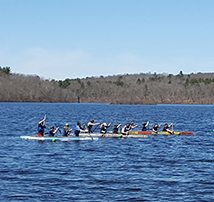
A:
{"points": [[143, 88]]}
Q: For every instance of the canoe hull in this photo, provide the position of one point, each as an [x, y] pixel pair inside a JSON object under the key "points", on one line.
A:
{"points": [[95, 136], [53, 139], [111, 135]]}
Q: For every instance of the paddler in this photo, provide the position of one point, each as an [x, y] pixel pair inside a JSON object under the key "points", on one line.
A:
{"points": [[115, 129], [78, 128], [155, 128], [90, 125], [41, 127], [166, 128], [103, 127], [145, 125], [133, 125], [128, 127], [66, 130], [53, 130]]}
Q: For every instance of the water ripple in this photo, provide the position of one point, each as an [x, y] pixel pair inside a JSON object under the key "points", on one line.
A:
{"points": [[157, 168]]}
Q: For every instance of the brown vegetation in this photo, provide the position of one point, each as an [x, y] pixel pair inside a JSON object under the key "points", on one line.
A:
{"points": [[132, 89]]}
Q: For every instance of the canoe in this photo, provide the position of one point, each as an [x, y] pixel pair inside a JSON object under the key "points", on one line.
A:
{"points": [[161, 133], [111, 135], [54, 139], [96, 136]]}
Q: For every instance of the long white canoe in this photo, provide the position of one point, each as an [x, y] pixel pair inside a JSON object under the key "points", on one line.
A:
{"points": [[53, 139], [82, 136]]}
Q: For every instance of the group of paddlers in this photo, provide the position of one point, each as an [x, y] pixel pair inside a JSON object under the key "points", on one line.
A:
{"points": [[103, 127]]}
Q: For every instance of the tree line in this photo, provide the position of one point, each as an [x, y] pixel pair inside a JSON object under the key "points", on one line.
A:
{"points": [[143, 88]]}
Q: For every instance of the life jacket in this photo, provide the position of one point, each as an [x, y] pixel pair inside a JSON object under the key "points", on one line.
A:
{"points": [[51, 134], [166, 126], [155, 127], [66, 132], [103, 129]]}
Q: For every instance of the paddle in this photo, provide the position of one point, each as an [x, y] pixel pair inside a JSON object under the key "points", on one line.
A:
{"points": [[131, 127], [95, 127], [42, 120], [93, 130], [90, 135], [58, 128], [172, 127]]}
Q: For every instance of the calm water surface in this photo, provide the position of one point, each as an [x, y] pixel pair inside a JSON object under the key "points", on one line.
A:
{"points": [[157, 168]]}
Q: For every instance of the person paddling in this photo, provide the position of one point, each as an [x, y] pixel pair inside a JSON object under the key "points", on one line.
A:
{"points": [[104, 127], [66, 130], [78, 128], [90, 125], [166, 128], [128, 127], [133, 125], [53, 131], [145, 125], [155, 128], [41, 127], [116, 128]]}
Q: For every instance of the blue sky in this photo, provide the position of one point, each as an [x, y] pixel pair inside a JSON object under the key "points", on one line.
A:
{"points": [[58, 39]]}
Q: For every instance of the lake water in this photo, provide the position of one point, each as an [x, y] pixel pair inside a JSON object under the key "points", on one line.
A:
{"points": [[157, 168]]}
